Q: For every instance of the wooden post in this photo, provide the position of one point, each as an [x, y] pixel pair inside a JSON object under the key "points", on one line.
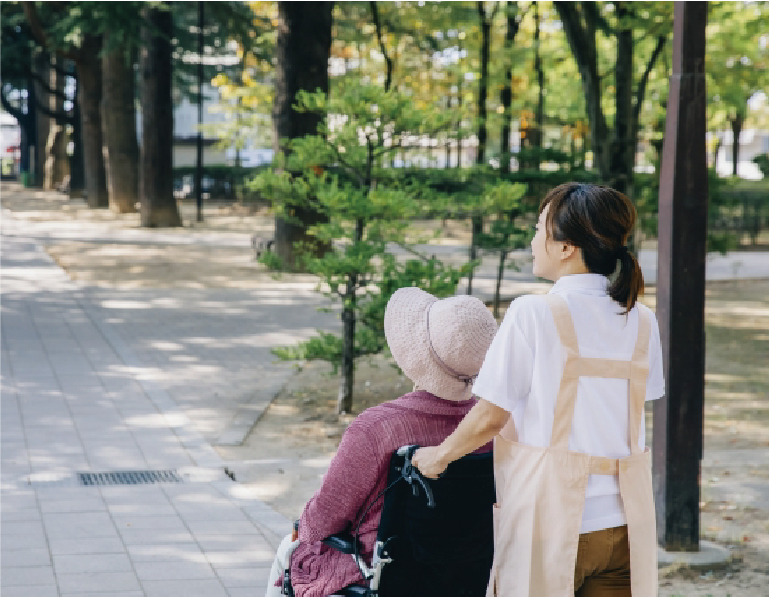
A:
{"points": [[682, 231]]}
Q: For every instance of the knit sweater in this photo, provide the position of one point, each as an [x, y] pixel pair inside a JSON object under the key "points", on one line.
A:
{"points": [[356, 475]]}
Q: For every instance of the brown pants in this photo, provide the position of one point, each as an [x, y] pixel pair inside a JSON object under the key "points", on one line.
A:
{"points": [[603, 566]]}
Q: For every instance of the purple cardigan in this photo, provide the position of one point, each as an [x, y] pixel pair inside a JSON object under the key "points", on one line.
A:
{"points": [[356, 475]]}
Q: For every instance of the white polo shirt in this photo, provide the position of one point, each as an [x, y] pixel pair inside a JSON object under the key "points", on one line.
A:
{"points": [[523, 368]]}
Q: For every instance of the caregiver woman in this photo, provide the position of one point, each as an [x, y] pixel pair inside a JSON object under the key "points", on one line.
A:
{"points": [[563, 388]]}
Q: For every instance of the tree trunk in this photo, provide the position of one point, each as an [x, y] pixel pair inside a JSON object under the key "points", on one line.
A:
{"points": [[345, 396], [119, 128], [42, 66], [477, 228], [506, 94], [736, 124], [90, 95], [56, 161], [486, 26], [537, 137], [77, 165], [302, 50], [622, 152], [582, 43], [381, 42], [477, 221], [156, 185]]}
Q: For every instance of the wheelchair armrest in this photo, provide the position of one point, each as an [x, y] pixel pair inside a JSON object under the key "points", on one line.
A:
{"points": [[344, 542], [354, 591]]}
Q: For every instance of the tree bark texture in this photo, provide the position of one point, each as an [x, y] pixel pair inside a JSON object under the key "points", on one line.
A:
{"points": [[347, 373], [90, 95], [381, 42], [302, 52], [119, 127], [486, 33], [582, 43], [537, 137], [57, 165], [156, 186], [736, 124], [506, 94], [477, 221], [42, 66], [77, 165], [345, 395], [624, 138]]}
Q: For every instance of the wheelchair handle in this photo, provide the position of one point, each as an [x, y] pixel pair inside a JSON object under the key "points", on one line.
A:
{"points": [[410, 474]]}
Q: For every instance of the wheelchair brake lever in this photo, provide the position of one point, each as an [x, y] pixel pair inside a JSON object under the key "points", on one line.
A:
{"points": [[410, 473], [426, 487]]}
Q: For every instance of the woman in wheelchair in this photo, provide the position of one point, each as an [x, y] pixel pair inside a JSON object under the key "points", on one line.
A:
{"points": [[440, 346]]}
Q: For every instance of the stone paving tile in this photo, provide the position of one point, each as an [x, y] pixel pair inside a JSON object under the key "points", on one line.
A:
{"points": [[25, 515], [167, 523], [244, 577], [101, 545], [98, 582], [154, 536], [218, 543], [182, 552], [23, 558], [26, 576], [79, 525], [187, 588], [111, 594], [173, 570], [91, 563], [40, 591], [261, 556], [89, 504], [202, 528]]}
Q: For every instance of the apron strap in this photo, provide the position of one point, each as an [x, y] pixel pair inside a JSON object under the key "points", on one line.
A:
{"points": [[567, 396], [637, 389], [576, 366]]}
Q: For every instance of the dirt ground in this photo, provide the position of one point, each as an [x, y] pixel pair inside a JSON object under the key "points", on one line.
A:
{"points": [[288, 450]]}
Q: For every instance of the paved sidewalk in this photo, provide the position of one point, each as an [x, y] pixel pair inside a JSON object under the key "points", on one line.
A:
{"points": [[76, 399]]}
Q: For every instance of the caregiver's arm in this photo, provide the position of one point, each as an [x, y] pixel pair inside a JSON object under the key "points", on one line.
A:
{"points": [[480, 425]]}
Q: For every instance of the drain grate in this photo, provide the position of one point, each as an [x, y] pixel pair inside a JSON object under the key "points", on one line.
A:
{"points": [[130, 478]]}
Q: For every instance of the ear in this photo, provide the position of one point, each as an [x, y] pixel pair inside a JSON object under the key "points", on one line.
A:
{"points": [[567, 251]]}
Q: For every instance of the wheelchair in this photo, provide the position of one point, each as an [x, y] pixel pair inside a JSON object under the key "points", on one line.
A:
{"points": [[435, 536]]}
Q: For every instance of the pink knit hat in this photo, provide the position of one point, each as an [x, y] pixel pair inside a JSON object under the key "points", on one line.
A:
{"points": [[439, 344]]}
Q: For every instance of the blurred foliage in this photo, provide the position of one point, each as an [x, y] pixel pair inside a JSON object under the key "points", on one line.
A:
{"points": [[345, 174]]}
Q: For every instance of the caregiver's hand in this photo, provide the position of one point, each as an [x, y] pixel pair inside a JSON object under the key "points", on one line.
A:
{"points": [[429, 462]]}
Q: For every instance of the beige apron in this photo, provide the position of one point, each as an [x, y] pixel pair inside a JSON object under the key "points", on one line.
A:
{"points": [[541, 491]]}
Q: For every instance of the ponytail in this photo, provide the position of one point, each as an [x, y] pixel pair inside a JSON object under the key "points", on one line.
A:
{"points": [[598, 220], [629, 283]]}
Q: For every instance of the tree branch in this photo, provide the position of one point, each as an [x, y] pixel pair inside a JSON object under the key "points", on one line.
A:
{"points": [[47, 88], [344, 163], [378, 29], [38, 32], [60, 117], [641, 89], [413, 251], [13, 110]]}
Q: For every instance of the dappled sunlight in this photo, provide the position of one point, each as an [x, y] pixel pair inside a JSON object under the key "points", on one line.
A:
{"points": [[722, 378], [166, 345]]}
